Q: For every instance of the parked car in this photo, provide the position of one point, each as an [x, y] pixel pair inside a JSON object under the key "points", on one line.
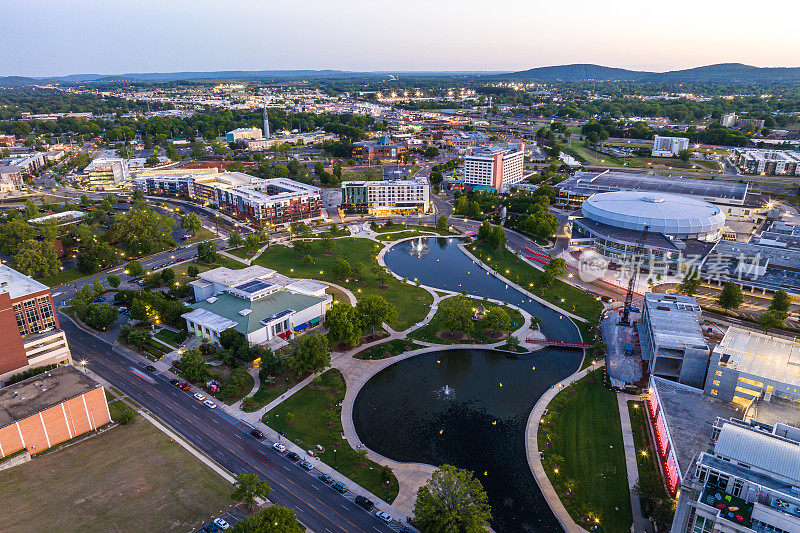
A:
{"points": [[99, 300], [199, 397], [222, 524], [305, 465], [211, 528], [293, 456], [150, 368], [257, 433], [338, 486], [383, 517], [280, 447], [175, 382], [364, 502], [325, 478], [210, 404]]}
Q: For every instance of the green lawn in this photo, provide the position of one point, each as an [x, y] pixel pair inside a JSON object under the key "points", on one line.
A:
{"points": [[412, 302], [240, 252], [397, 226], [368, 174], [388, 349], [63, 277], [645, 452], [171, 337], [200, 235], [581, 437], [120, 480], [308, 407], [430, 331], [386, 237], [116, 408], [560, 293], [267, 392]]}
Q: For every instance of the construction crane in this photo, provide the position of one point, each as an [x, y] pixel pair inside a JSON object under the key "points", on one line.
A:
{"points": [[625, 320]]}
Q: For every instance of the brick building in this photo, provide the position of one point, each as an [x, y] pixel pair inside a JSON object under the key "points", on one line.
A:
{"points": [[383, 148], [45, 410], [30, 335]]}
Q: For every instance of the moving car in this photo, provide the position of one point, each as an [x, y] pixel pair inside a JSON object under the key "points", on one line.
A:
{"points": [[305, 465], [364, 502], [199, 397], [210, 404], [293, 456], [175, 382], [257, 433], [184, 386], [150, 368], [383, 517], [280, 447], [338, 486]]}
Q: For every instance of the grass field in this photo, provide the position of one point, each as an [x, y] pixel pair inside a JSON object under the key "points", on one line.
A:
{"points": [[266, 392], [581, 438], [368, 174], [562, 294], [429, 331], [124, 479], [387, 237], [171, 337], [645, 451], [412, 303], [65, 276], [388, 349], [201, 235], [308, 407]]}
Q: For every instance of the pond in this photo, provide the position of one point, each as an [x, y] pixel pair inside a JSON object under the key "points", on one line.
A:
{"points": [[468, 408]]}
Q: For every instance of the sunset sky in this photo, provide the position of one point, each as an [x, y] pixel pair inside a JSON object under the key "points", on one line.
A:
{"points": [[43, 37]]}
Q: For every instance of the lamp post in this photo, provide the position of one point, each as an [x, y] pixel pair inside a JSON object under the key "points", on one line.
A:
{"points": [[83, 363], [335, 463]]}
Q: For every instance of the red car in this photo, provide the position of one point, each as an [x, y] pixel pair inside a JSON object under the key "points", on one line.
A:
{"points": [[184, 386]]}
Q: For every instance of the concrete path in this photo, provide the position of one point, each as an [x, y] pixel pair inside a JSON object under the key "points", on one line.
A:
{"points": [[639, 522]]}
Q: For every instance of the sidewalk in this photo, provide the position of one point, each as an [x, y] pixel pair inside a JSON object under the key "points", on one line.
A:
{"points": [[639, 522]]}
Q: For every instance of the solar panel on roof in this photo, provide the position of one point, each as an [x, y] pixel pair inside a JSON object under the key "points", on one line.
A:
{"points": [[252, 286]]}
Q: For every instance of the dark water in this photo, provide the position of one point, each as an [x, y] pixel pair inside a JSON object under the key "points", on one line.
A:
{"points": [[406, 413]]}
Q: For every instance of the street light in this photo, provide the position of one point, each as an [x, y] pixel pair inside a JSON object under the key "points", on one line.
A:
{"points": [[83, 363]]}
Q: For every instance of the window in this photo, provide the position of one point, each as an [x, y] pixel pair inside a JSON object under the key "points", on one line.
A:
{"points": [[716, 382], [714, 392], [702, 525], [751, 382]]}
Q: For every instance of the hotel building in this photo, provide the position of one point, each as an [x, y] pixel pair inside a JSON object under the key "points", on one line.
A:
{"points": [[495, 166]]}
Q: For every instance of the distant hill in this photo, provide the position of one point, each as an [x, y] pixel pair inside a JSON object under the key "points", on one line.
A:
{"points": [[720, 73]]}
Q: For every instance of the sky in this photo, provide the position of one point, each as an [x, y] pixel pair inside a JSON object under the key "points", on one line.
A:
{"points": [[50, 38]]}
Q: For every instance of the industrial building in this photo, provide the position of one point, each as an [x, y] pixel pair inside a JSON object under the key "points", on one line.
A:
{"points": [[669, 146], [672, 340], [45, 410], [256, 200], [745, 481], [29, 329], [243, 134], [257, 302], [768, 162], [748, 365], [495, 166], [373, 150], [678, 227], [386, 197]]}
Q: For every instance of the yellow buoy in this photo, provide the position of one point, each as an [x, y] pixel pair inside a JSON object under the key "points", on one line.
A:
{"points": [[438, 362], [494, 422], [441, 431], [485, 473], [501, 384], [533, 368]]}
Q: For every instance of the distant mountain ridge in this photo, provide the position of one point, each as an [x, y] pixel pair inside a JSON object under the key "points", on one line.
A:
{"points": [[719, 73]]}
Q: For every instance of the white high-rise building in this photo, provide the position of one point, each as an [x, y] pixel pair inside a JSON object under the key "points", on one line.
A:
{"points": [[728, 120], [495, 166], [669, 146]]}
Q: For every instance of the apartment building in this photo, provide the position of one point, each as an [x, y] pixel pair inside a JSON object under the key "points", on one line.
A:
{"points": [[256, 200], [768, 162], [384, 198], [669, 146], [10, 178], [671, 338], [30, 335], [728, 120], [495, 166]]}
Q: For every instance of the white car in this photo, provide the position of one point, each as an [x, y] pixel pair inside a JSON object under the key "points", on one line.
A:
{"points": [[222, 524], [199, 397], [383, 517], [280, 447], [210, 404]]}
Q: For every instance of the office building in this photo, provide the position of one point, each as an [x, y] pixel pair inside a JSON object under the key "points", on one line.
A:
{"points": [[259, 303], [671, 338], [495, 166], [748, 365], [728, 120], [768, 162], [29, 331], [243, 134], [669, 146], [105, 173], [375, 149], [746, 481], [256, 200], [385, 198], [53, 407]]}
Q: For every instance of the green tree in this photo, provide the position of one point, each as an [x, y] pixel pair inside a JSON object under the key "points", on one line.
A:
{"points": [[780, 303], [341, 268], [134, 268], [31, 211], [139, 310], [685, 155], [235, 239], [691, 282], [252, 242], [308, 353], [191, 222], [198, 150], [142, 230], [457, 315], [207, 252], [49, 231], [113, 281], [552, 271], [168, 276], [273, 519], [36, 259], [192, 271], [248, 487], [498, 239], [374, 310], [497, 319], [485, 231], [441, 223], [100, 316], [731, 296], [342, 323], [302, 247], [172, 153], [13, 233], [452, 501], [193, 365]]}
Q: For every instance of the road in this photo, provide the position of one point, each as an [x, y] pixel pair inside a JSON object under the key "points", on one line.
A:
{"points": [[224, 439]]}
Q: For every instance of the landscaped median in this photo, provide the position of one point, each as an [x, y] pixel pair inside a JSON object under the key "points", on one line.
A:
{"points": [[312, 416], [580, 437]]}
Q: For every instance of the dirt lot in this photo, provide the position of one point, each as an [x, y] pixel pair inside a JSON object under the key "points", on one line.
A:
{"points": [[130, 478]]}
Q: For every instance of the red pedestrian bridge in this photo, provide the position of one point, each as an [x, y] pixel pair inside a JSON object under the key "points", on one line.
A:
{"points": [[555, 342]]}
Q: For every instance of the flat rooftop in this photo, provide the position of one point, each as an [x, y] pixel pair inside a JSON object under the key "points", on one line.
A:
{"points": [[776, 410], [17, 284], [589, 183], [38, 393], [674, 321], [690, 415], [232, 277], [762, 355]]}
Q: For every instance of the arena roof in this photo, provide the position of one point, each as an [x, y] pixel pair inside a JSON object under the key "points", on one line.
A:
{"points": [[669, 214]]}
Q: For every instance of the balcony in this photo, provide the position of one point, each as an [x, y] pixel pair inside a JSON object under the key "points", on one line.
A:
{"points": [[729, 507]]}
